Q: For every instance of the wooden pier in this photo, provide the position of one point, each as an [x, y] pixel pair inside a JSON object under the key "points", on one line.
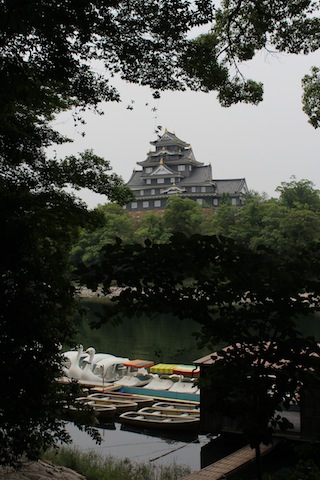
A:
{"points": [[228, 465]]}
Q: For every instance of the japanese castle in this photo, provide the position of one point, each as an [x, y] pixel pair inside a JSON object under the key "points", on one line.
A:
{"points": [[171, 169]]}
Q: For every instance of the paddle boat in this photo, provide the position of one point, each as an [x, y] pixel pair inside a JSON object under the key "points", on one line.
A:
{"points": [[184, 385], [140, 377], [137, 374], [175, 369], [73, 361], [159, 383]]}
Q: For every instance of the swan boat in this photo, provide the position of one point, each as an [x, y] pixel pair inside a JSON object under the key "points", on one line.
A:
{"points": [[140, 377], [93, 368]]}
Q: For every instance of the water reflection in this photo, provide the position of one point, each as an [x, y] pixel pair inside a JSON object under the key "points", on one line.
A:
{"points": [[166, 339], [144, 446]]}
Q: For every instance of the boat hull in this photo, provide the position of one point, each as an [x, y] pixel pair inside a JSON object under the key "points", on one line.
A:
{"points": [[160, 422]]}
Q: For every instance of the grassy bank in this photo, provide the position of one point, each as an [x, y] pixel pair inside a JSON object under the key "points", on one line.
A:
{"points": [[95, 467]]}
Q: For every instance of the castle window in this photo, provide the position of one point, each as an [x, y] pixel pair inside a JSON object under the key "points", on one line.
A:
{"points": [[203, 189], [148, 169], [153, 192], [200, 201], [181, 168], [215, 202], [134, 204], [148, 181], [233, 201], [193, 189], [141, 192], [157, 203], [160, 180], [145, 204], [172, 180]]}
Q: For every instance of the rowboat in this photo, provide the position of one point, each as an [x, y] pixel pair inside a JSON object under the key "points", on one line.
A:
{"points": [[105, 412], [160, 422], [141, 400], [102, 412], [171, 413], [171, 407], [119, 404]]}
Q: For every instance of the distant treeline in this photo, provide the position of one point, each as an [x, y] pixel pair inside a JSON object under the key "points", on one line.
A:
{"points": [[282, 224]]}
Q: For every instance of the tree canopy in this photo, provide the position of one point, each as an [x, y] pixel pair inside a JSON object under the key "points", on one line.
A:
{"points": [[311, 96], [51, 51], [57, 56], [248, 301], [240, 29], [284, 224]]}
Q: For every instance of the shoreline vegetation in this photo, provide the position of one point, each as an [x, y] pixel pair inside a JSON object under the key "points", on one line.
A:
{"points": [[95, 467]]}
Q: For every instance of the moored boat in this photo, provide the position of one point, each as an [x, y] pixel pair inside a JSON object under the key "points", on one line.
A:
{"points": [[142, 401], [172, 413], [158, 383], [160, 422], [137, 374], [171, 405], [107, 372], [120, 404], [184, 385], [167, 412], [105, 412]]}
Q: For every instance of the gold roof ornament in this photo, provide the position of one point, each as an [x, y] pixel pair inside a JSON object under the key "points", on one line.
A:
{"points": [[161, 161]]}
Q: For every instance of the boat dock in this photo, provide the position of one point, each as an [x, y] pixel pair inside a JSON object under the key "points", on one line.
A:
{"points": [[228, 465]]}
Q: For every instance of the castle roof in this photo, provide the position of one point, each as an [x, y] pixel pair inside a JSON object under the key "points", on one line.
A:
{"points": [[171, 169], [172, 150], [230, 186], [169, 138]]}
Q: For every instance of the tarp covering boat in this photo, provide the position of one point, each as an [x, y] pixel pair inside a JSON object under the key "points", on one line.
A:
{"points": [[187, 370], [163, 368], [139, 363]]}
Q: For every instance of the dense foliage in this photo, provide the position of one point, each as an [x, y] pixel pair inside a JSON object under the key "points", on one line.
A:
{"points": [[311, 96], [246, 300], [284, 224], [240, 29], [246, 291], [48, 52], [57, 56]]}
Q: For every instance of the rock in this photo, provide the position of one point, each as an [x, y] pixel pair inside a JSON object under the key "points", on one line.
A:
{"points": [[39, 470]]}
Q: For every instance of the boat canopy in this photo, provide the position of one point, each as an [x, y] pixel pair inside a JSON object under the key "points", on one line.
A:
{"points": [[163, 368], [138, 363]]}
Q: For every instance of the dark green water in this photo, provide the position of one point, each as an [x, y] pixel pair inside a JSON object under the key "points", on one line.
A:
{"points": [[165, 339]]}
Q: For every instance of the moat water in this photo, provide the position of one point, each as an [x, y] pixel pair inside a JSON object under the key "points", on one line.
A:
{"points": [[163, 340]]}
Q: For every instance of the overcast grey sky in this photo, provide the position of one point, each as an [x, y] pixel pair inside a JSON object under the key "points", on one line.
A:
{"points": [[266, 144]]}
